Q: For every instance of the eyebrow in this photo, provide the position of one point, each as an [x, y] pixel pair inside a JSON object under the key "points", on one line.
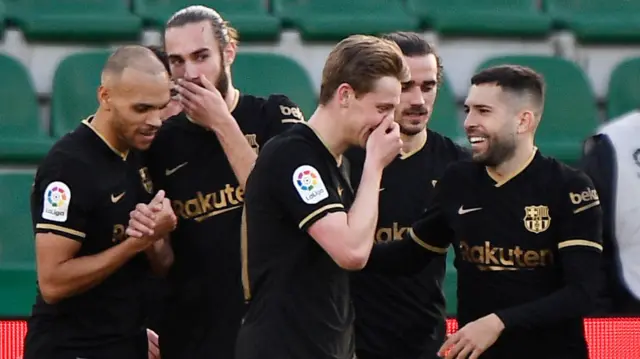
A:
{"points": [[152, 105], [478, 106], [196, 52]]}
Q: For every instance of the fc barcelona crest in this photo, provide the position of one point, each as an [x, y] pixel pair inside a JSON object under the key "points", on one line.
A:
{"points": [[536, 219], [146, 179]]}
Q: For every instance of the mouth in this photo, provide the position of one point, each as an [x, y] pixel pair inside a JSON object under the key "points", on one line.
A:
{"points": [[478, 143], [148, 134]]}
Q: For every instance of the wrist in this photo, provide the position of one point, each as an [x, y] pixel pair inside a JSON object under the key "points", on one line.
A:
{"points": [[223, 125], [497, 322], [372, 168]]}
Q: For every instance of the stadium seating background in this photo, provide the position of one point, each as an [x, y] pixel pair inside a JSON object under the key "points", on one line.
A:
{"points": [[52, 52]]}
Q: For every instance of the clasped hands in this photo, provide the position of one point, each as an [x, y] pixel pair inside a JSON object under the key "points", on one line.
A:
{"points": [[152, 221]]}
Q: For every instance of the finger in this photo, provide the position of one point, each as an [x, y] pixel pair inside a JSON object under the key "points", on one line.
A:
{"points": [[466, 350], [192, 88], [476, 353], [141, 222], [187, 104], [131, 232], [450, 342], [208, 85], [384, 126], [456, 349], [158, 198], [141, 228], [144, 210]]}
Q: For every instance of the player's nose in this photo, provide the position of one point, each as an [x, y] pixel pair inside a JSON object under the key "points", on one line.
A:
{"points": [[191, 71], [416, 96]]}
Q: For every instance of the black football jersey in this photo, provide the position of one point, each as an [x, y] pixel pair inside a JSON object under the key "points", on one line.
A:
{"points": [[513, 239], [403, 316], [300, 305], [205, 302], [84, 190]]}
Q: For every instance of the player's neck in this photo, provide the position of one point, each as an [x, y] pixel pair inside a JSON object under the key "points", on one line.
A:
{"points": [[412, 143], [515, 164], [331, 135], [232, 97], [101, 124]]}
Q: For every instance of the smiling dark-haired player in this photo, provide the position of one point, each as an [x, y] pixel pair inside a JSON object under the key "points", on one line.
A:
{"points": [[526, 230], [415, 328]]}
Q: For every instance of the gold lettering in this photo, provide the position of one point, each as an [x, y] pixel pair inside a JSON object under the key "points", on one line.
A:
{"points": [[587, 195], [205, 205], [291, 111], [119, 234], [394, 233], [490, 257]]}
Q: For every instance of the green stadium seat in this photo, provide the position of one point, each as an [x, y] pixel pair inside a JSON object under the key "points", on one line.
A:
{"points": [[496, 18], [17, 254], [332, 20], [624, 88], [3, 13], [445, 119], [570, 113], [250, 17], [598, 21], [262, 74], [22, 138], [450, 286], [74, 20], [75, 85]]}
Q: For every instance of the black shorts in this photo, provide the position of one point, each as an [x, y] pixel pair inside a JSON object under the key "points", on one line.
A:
{"points": [[40, 348]]}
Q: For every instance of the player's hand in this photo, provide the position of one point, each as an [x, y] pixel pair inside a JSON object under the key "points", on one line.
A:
{"points": [[204, 105], [473, 339], [384, 143], [154, 348], [152, 221]]}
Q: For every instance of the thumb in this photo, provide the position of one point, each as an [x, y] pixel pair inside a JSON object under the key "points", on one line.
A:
{"points": [[385, 125], [157, 199]]}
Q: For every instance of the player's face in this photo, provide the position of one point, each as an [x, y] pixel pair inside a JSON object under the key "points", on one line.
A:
{"points": [[137, 103], [367, 112], [491, 124], [193, 51], [418, 95]]}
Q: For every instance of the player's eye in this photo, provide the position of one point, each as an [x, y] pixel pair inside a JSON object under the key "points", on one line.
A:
{"points": [[141, 108]]}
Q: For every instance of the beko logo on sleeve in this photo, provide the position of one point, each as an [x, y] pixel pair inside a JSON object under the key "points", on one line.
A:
{"points": [[309, 184]]}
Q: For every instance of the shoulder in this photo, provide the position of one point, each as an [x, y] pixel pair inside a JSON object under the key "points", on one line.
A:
{"points": [[69, 157], [566, 177], [289, 144]]}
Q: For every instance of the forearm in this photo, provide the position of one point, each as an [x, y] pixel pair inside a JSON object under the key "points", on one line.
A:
{"points": [[401, 257], [80, 274], [160, 256], [576, 300], [363, 214], [237, 149]]}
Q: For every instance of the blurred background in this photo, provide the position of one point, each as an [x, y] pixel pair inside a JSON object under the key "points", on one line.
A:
{"points": [[52, 51]]}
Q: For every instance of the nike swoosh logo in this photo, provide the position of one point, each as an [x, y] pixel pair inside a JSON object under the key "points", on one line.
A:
{"points": [[115, 199], [381, 189], [462, 211], [171, 171]]}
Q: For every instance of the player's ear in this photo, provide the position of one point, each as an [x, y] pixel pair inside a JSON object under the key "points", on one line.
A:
{"points": [[526, 122], [229, 54], [344, 94], [103, 98]]}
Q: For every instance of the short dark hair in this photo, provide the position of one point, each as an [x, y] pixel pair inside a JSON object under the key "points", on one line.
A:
{"points": [[162, 56], [361, 60], [517, 79], [222, 30], [412, 44], [132, 56]]}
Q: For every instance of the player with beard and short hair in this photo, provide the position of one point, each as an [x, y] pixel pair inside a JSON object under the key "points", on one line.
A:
{"points": [[202, 158], [526, 230], [90, 301], [416, 326]]}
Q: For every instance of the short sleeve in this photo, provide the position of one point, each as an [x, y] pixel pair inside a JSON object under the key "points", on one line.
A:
{"points": [[303, 185], [282, 113], [581, 226], [61, 200], [432, 231]]}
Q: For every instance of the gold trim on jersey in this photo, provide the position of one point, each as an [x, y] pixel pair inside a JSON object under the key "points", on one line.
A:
{"points": [[318, 212], [404, 156], [579, 242], [291, 120], [55, 227], [122, 155], [338, 157], [426, 246], [244, 253], [501, 180]]}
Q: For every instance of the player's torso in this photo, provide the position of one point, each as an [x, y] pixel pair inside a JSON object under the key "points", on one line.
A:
{"points": [[407, 184], [293, 281], [506, 238]]}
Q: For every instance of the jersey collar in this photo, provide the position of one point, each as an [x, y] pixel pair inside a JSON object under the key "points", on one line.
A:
{"points": [[499, 182], [87, 122]]}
